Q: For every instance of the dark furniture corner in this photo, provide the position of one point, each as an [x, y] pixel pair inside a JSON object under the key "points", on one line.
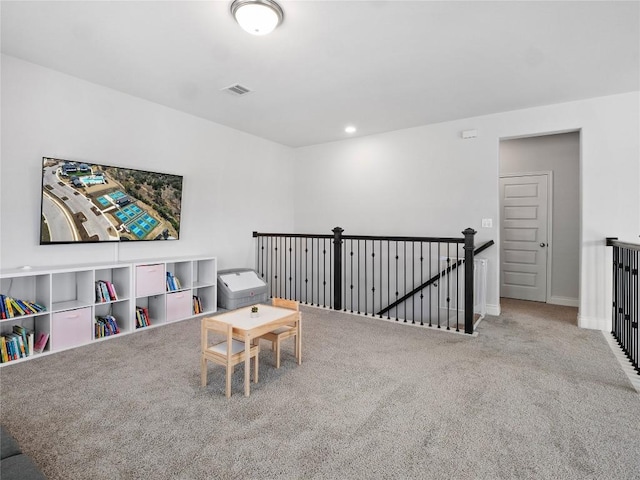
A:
{"points": [[13, 463]]}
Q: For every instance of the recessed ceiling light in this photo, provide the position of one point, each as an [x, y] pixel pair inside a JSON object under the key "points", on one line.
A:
{"points": [[350, 129]]}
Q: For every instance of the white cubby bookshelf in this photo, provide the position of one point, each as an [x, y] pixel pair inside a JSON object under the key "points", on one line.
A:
{"points": [[72, 304]]}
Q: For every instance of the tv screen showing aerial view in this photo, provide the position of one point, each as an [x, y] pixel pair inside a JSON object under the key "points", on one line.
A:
{"points": [[86, 202]]}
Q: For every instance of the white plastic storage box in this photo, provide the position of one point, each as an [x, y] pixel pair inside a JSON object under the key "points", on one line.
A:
{"points": [[239, 287]]}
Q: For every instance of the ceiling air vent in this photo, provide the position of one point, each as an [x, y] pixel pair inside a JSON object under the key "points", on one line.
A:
{"points": [[237, 90]]}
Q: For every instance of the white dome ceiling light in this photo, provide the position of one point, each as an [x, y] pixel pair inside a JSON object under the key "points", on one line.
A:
{"points": [[258, 17]]}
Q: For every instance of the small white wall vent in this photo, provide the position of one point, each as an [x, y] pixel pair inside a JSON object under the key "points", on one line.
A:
{"points": [[237, 90]]}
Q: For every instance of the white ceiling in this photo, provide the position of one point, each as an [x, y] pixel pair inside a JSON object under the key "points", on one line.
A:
{"points": [[381, 65]]}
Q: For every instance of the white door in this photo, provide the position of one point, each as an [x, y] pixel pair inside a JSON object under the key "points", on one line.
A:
{"points": [[524, 236]]}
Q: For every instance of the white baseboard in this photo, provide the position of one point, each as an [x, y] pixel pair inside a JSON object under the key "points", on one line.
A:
{"points": [[493, 310], [594, 323], [565, 301]]}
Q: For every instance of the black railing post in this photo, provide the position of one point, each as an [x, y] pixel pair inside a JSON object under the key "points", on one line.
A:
{"points": [[614, 323], [337, 268], [469, 234]]}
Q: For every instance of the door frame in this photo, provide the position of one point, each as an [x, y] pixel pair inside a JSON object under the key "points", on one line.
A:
{"points": [[549, 175]]}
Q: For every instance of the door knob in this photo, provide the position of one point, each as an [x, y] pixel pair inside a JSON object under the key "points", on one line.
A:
{"points": [[543, 244]]}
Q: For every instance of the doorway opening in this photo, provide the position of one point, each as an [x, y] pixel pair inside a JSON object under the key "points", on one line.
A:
{"points": [[540, 218]]}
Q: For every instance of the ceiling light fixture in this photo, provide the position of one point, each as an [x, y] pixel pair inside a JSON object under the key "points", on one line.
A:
{"points": [[258, 17], [350, 129]]}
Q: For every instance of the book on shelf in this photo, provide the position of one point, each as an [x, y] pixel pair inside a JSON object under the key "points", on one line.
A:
{"points": [[99, 297], [7, 306], [16, 307], [30, 343], [142, 317], [23, 308], [3, 350], [106, 326], [15, 352], [10, 349], [22, 348], [19, 343], [13, 307], [173, 283], [41, 342], [112, 291], [29, 308], [105, 291], [24, 334], [197, 305]]}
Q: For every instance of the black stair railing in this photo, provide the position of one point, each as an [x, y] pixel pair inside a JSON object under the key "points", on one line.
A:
{"points": [[625, 297], [374, 275], [435, 278]]}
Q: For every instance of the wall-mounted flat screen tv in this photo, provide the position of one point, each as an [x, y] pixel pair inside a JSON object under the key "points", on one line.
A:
{"points": [[84, 202]]}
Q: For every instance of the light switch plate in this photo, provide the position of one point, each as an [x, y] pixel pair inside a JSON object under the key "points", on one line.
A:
{"points": [[487, 223]]}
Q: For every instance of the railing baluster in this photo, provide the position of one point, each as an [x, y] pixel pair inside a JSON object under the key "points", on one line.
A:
{"points": [[381, 274], [430, 289], [448, 284], [364, 260], [324, 272], [300, 277], [351, 275], [421, 280], [277, 268], [344, 267], [439, 281], [636, 291], [358, 274], [312, 258], [625, 295], [457, 289], [396, 279], [289, 276], [373, 278], [331, 298], [404, 285], [413, 282], [276, 263], [258, 254], [388, 277], [306, 271], [614, 295]]}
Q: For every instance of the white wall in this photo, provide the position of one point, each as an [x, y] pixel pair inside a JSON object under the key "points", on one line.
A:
{"points": [[234, 183], [393, 183], [428, 181], [559, 154]]}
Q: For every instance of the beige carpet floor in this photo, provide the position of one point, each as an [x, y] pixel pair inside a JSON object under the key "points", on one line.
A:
{"points": [[531, 396]]}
